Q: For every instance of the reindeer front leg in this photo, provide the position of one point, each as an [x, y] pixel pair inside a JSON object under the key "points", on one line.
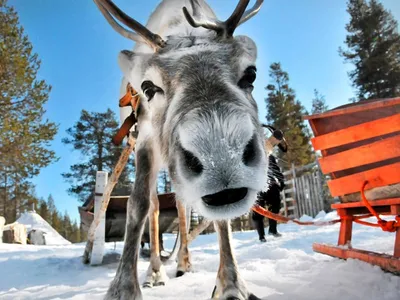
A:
{"points": [[156, 275], [125, 284], [229, 285], [183, 253]]}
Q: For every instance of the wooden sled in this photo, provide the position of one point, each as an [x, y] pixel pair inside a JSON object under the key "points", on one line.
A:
{"points": [[361, 143], [115, 220]]}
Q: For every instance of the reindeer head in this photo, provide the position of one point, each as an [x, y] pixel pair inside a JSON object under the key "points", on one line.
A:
{"points": [[197, 106]]}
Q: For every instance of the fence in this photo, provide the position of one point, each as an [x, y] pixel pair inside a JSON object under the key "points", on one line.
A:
{"points": [[306, 191]]}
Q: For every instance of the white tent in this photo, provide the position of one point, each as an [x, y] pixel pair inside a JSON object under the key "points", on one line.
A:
{"points": [[34, 221]]}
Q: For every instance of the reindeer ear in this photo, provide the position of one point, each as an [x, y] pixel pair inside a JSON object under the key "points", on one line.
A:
{"points": [[248, 45], [125, 61], [132, 65]]}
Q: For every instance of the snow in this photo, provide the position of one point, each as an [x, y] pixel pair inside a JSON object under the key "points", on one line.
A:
{"points": [[283, 268], [34, 221]]}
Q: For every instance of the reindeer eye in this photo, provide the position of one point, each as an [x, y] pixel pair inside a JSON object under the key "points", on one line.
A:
{"points": [[150, 89], [248, 78]]}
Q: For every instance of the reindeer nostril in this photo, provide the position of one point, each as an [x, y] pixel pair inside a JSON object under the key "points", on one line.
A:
{"points": [[249, 154], [192, 162]]}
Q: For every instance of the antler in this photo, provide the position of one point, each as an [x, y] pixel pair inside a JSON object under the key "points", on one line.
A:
{"points": [[251, 12], [223, 28], [110, 10]]}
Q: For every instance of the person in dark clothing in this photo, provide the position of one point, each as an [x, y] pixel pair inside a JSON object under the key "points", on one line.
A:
{"points": [[271, 199]]}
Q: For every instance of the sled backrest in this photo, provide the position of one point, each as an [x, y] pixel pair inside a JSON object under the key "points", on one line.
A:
{"points": [[359, 142]]}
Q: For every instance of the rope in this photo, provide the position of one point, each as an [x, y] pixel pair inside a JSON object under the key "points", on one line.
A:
{"points": [[389, 226], [270, 215]]}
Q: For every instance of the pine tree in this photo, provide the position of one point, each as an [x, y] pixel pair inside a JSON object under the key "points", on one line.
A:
{"points": [[83, 234], [24, 134], [75, 233], [284, 112], [66, 226], [92, 135], [318, 103], [43, 210], [52, 208], [22, 196], [50, 203], [56, 221], [373, 47]]}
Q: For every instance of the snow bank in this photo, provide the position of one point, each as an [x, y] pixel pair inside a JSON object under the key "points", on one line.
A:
{"points": [[34, 221]]}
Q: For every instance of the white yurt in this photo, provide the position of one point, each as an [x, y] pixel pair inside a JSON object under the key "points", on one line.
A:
{"points": [[37, 227]]}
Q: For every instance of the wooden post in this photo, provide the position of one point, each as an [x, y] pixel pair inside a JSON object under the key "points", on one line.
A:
{"points": [[303, 200], [315, 192], [123, 159], [244, 221], [300, 195], [283, 195], [320, 193], [346, 228], [395, 210], [309, 195], [295, 198], [315, 189], [96, 257], [396, 252], [313, 199]]}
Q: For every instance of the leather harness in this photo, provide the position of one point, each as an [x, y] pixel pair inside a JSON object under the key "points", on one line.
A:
{"points": [[131, 98]]}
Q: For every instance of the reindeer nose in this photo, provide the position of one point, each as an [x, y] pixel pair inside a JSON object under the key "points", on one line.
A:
{"points": [[192, 162], [225, 197], [250, 153]]}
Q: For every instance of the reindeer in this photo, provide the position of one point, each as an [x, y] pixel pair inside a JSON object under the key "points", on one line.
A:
{"points": [[197, 118]]}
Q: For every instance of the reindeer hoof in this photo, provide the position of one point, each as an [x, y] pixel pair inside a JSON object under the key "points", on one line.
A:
{"points": [[215, 295], [179, 273], [251, 297], [147, 285], [160, 283], [155, 277]]}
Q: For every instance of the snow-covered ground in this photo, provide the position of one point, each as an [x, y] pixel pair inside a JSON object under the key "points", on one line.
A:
{"points": [[281, 269]]}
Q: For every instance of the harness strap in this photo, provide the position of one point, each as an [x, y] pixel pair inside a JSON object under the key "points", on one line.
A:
{"points": [[266, 213], [131, 98], [389, 226]]}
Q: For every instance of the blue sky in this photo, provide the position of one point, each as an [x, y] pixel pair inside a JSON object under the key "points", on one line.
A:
{"points": [[79, 52]]}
